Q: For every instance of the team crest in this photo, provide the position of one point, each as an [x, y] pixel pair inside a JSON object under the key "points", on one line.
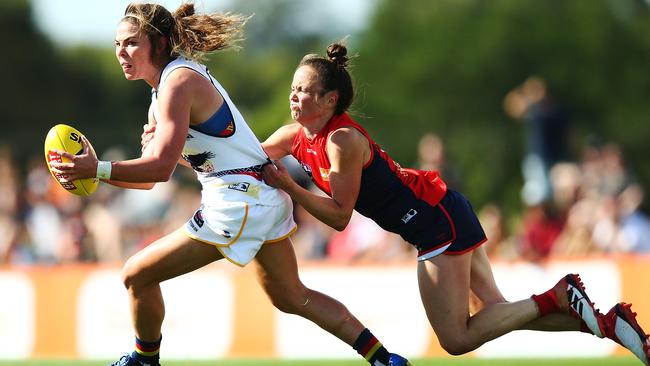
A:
{"points": [[325, 174], [228, 131]]}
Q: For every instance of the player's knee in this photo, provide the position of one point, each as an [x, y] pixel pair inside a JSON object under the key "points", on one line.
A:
{"points": [[290, 302], [287, 304], [131, 274], [455, 346]]}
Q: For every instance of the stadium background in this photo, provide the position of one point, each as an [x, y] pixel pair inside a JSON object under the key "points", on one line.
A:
{"points": [[437, 72]]}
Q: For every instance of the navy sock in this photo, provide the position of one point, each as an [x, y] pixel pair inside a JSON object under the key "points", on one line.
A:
{"points": [[147, 352]]}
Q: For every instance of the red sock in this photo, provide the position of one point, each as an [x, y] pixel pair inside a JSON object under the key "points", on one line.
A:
{"points": [[546, 302]]}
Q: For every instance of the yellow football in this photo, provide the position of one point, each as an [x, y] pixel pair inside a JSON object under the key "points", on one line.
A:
{"points": [[67, 138]]}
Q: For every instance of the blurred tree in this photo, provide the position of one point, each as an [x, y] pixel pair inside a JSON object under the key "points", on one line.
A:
{"points": [[29, 78], [444, 66], [44, 86]]}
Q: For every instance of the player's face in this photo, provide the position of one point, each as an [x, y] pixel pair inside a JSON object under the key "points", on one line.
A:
{"points": [[305, 99], [133, 51]]}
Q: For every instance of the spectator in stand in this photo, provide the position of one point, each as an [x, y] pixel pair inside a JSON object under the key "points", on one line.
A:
{"points": [[499, 245], [363, 241], [433, 156], [541, 226], [312, 238], [9, 225], [634, 224], [547, 129]]}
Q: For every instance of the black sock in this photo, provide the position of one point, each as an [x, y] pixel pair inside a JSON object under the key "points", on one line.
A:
{"points": [[370, 348]]}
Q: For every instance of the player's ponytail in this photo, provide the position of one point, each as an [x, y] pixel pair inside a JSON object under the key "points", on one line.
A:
{"points": [[188, 34], [198, 34]]}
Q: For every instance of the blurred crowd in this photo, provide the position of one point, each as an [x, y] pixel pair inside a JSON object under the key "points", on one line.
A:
{"points": [[593, 209], [571, 207]]}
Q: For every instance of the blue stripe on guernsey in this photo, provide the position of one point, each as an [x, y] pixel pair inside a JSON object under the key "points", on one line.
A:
{"points": [[219, 125]]}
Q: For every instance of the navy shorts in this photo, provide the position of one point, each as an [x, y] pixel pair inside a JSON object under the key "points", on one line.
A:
{"points": [[451, 222]]}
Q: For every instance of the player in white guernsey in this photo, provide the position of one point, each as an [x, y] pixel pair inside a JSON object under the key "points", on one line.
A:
{"points": [[241, 218]]}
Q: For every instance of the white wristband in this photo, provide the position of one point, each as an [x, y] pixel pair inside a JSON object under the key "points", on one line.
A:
{"points": [[104, 169]]}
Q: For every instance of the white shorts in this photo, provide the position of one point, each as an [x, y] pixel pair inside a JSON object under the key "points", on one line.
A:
{"points": [[239, 229]]}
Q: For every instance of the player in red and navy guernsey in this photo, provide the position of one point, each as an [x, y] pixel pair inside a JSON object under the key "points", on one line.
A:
{"points": [[356, 174]]}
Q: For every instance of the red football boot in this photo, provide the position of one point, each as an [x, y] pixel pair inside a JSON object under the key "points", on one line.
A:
{"points": [[572, 298], [621, 327]]}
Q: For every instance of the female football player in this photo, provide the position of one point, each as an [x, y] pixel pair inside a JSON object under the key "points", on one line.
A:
{"points": [[357, 174], [241, 218]]}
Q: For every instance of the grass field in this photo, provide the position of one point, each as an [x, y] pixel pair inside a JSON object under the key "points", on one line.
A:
{"points": [[418, 362]]}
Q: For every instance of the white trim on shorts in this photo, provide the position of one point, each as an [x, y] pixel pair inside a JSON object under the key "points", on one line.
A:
{"points": [[433, 253]]}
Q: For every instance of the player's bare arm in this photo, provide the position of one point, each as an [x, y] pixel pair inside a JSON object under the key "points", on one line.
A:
{"points": [[278, 145], [346, 150], [171, 129]]}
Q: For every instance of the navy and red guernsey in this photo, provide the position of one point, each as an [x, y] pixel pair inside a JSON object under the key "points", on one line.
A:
{"points": [[403, 201]]}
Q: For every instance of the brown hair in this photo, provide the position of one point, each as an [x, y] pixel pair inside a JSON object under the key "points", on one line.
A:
{"points": [[188, 34], [333, 74]]}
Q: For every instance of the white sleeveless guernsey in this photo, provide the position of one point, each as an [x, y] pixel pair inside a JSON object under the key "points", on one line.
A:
{"points": [[238, 212]]}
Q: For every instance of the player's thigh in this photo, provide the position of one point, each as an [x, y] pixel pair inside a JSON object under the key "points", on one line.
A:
{"points": [[277, 270], [482, 280], [444, 290], [170, 256]]}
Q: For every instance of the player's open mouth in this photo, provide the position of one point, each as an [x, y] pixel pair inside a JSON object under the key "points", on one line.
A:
{"points": [[126, 66]]}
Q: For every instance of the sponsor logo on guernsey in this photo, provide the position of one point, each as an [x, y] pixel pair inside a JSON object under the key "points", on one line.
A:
{"points": [[225, 233], [198, 218], [325, 174], [193, 226], [242, 186], [311, 151], [307, 170], [409, 215]]}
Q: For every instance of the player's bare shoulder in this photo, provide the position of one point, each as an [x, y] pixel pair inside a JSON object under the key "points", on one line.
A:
{"points": [[187, 80], [347, 137]]}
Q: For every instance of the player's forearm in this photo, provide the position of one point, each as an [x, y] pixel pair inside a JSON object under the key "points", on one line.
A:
{"points": [[323, 208], [146, 169], [129, 185]]}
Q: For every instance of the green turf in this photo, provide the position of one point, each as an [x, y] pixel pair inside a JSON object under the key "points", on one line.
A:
{"points": [[621, 361]]}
